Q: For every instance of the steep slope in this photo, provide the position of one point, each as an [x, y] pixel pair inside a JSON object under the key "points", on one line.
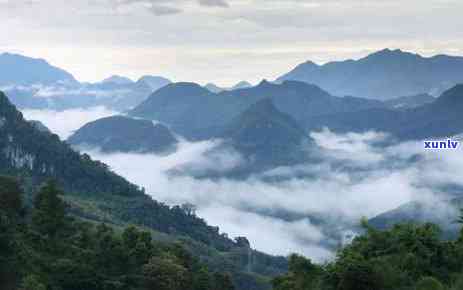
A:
{"points": [[197, 113], [25, 149], [95, 193], [123, 134], [383, 75], [22, 70]]}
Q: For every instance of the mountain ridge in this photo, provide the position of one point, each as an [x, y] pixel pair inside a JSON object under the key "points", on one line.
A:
{"points": [[383, 74]]}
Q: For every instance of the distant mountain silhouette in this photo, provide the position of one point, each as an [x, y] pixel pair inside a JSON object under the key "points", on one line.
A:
{"points": [[267, 136], [442, 213], [120, 80], [34, 84], [442, 118], [409, 102], [197, 113], [123, 134], [22, 70], [154, 82], [216, 89], [383, 75]]}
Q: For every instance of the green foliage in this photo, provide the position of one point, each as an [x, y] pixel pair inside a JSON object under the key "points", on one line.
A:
{"points": [[47, 250], [48, 216], [429, 283], [405, 257]]}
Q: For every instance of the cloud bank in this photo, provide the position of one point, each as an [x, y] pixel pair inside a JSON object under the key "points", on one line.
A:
{"points": [[308, 208]]}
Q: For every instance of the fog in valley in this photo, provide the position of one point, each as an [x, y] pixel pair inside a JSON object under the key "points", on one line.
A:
{"points": [[361, 175]]}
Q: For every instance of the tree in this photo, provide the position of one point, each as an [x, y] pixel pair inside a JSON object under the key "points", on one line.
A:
{"points": [[164, 274], [10, 196], [223, 281], [49, 214], [429, 283], [32, 282], [10, 208], [202, 280]]}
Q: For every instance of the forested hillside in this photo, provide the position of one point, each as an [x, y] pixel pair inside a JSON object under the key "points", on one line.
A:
{"points": [[99, 195], [42, 248], [405, 257]]}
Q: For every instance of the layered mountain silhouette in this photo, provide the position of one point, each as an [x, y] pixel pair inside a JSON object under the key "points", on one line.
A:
{"points": [[409, 102], [216, 89], [123, 134], [197, 113], [267, 136], [21, 70], [34, 84], [24, 148], [94, 193], [383, 75], [441, 118]]}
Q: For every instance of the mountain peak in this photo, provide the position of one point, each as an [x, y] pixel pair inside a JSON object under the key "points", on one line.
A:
{"points": [[391, 53], [154, 82], [242, 85], [184, 87], [22, 70], [117, 79], [264, 83]]}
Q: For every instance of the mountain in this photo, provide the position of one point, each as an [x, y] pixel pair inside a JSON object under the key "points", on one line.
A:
{"points": [[241, 85], [25, 149], [216, 89], [213, 88], [22, 70], [40, 126], [409, 102], [34, 84], [154, 82], [442, 213], [267, 136], [120, 80], [96, 194], [383, 75], [441, 118], [197, 113], [123, 134]]}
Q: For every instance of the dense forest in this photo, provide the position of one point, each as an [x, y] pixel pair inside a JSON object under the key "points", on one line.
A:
{"points": [[404, 257], [43, 248]]}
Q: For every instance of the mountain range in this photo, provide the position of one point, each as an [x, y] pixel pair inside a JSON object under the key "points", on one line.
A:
{"points": [[95, 193], [441, 118], [383, 75], [35, 84], [197, 113]]}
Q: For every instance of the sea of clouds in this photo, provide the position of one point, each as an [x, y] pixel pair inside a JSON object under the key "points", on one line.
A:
{"points": [[360, 175]]}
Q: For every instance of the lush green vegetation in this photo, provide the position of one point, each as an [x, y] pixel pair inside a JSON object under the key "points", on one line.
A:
{"points": [[96, 194], [43, 248], [405, 257]]}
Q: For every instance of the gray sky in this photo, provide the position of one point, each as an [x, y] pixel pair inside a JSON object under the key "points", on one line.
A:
{"points": [[223, 41]]}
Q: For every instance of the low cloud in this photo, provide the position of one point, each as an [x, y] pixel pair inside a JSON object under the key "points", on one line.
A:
{"points": [[305, 208], [64, 123]]}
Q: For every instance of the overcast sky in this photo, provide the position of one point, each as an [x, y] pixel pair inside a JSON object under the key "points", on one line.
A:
{"points": [[221, 41]]}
